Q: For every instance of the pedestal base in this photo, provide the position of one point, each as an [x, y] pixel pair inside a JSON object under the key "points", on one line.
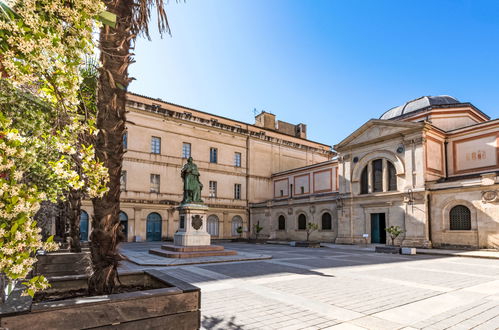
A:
{"points": [[175, 251], [191, 238]]}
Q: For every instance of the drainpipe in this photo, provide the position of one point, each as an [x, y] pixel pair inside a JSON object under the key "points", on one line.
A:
{"points": [[247, 181]]}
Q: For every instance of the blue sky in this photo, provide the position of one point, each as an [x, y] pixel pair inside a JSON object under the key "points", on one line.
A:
{"points": [[332, 65]]}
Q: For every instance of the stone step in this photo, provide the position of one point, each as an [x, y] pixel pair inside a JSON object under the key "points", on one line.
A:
{"points": [[191, 254], [195, 248]]}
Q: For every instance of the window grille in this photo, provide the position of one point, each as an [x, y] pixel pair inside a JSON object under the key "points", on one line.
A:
{"points": [[377, 175], [460, 218]]}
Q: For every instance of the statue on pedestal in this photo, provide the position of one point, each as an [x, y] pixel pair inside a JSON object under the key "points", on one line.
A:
{"points": [[192, 185]]}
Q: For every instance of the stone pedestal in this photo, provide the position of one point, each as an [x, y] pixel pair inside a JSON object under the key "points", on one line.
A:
{"points": [[192, 229]]}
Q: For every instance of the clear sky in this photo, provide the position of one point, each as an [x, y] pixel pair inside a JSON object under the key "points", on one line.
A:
{"points": [[332, 65]]}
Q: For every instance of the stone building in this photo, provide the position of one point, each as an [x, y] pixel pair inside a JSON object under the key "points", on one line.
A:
{"points": [[236, 161], [429, 166]]}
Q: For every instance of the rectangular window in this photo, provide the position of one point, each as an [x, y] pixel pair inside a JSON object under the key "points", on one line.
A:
{"points": [[237, 191], [302, 190], [155, 145], [213, 189], [213, 155], [125, 140], [237, 159], [186, 150], [282, 193], [155, 183], [123, 181]]}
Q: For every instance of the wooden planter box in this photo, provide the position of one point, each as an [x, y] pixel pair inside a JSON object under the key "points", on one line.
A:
{"points": [[63, 264], [172, 304], [388, 249], [308, 244]]}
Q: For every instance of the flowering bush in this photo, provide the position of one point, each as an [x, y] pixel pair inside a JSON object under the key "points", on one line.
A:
{"points": [[42, 44]]}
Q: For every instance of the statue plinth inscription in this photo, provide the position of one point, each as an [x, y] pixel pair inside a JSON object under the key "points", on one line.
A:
{"points": [[192, 230]]}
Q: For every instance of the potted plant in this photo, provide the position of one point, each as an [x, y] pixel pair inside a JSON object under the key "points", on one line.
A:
{"points": [[257, 229], [239, 230], [311, 227], [393, 232]]}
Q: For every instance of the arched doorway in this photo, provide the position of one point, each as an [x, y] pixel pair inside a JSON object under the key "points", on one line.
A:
{"points": [[212, 227], [124, 224], [237, 222], [153, 227], [83, 226]]}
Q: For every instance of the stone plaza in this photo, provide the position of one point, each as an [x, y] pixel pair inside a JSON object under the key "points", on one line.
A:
{"points": [[342, 287]]}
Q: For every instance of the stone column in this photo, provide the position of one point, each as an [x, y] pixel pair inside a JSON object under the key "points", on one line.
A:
{"points": [[385, 175], [370, 177]]}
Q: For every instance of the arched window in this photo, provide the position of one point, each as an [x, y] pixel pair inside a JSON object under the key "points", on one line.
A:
{"points": [[392, 177], [326, 221], [282, 223], [237, 222], [460, 218], [153, 227], [212, 227], [364, 182], [380, 177], [302, 222], [83, 226], [124, 224]]}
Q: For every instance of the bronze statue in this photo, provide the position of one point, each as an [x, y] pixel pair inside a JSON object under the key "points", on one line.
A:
{"points": [[192, 185]]}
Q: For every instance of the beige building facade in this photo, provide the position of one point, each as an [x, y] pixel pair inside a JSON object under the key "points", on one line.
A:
{"points": [[429, 166], [236, 161]]}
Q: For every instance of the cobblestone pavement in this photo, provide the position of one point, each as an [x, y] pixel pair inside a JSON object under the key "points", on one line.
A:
{"points": [[325, 288]]}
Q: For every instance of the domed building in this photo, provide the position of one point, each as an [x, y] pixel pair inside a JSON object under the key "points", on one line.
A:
{"points": [[429, 166]]}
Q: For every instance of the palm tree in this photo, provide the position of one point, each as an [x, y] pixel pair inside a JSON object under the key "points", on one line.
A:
{"points": [[132, 19]]}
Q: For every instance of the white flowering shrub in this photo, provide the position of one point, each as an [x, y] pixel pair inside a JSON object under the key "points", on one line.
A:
{"points": [[42, 44]]}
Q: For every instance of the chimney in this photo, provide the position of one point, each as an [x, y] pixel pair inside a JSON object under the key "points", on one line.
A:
{"points": [[265, 120], [301, 131]]}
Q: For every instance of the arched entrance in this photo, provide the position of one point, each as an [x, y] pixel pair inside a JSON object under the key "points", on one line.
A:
{"points": [[153, 227], [83, 226], [124, 224]]}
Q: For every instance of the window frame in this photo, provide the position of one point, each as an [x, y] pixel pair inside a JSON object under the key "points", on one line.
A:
{"points": [[152, 183], [212, 190], [330, 221], [213, 155], [123, 180], [155, 147], [186, 155], [237, 159], [237, 191], [458, 226]]}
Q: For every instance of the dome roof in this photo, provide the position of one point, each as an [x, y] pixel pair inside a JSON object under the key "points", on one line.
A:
{"points": [[418, 104]]}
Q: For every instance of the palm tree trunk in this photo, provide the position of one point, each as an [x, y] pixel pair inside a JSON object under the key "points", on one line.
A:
{"points": [[111, 99], [74, 209]]}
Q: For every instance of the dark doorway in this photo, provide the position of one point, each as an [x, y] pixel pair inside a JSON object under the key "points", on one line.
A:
{"points": [[378, 225]]}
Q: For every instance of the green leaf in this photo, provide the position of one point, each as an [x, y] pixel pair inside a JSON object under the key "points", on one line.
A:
{"points": [[108, 18]]}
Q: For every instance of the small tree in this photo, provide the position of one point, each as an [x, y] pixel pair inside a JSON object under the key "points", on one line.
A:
{"points": [[257, 228], [311, 227], [239, 230], [394, 232]]}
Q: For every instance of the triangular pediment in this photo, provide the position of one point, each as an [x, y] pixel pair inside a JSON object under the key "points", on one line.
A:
{"points": [[376, 129]]}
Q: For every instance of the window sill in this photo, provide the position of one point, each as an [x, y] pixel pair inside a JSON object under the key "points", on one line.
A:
{"points": [[460, 231]]}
